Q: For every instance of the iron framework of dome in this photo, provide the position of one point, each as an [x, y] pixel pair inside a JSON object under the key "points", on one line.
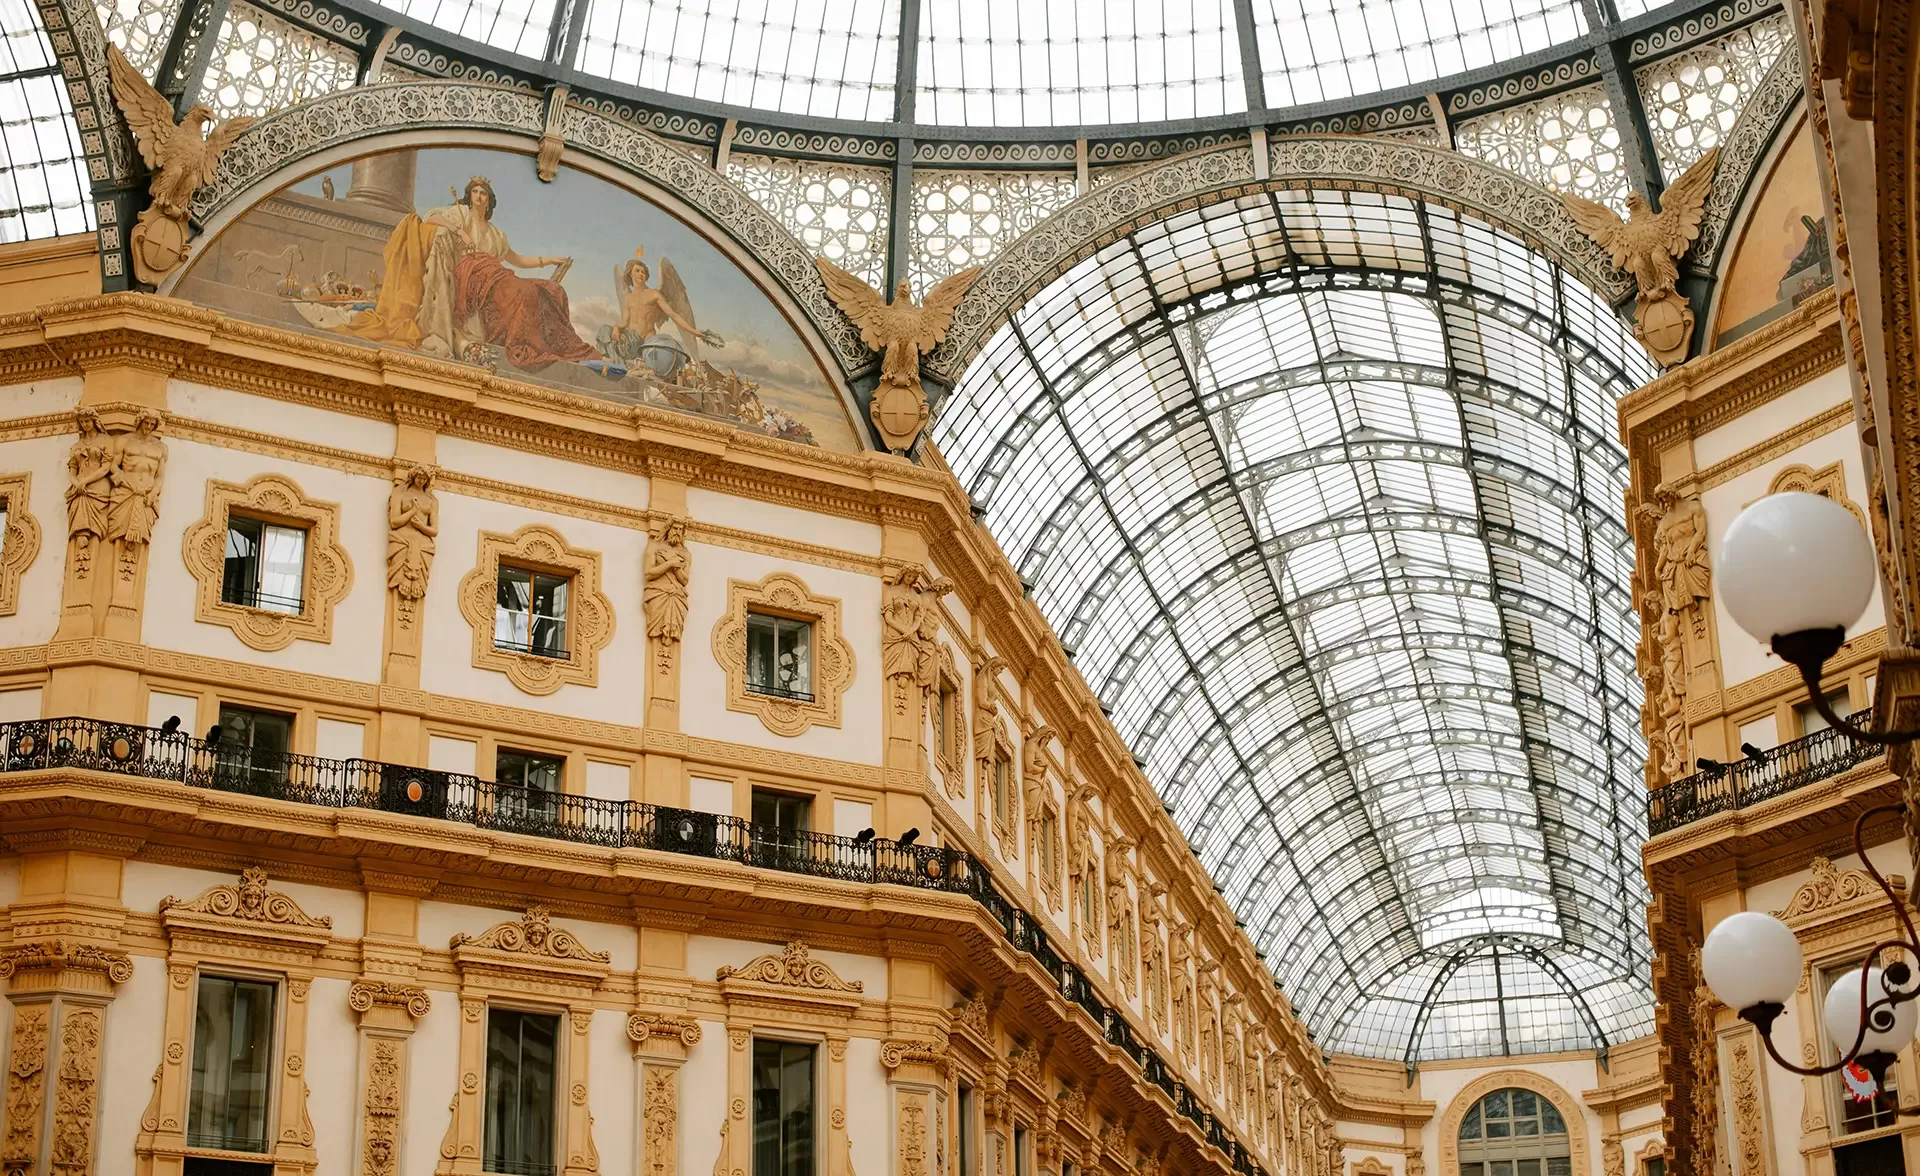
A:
{"points": [[1387, 447]]}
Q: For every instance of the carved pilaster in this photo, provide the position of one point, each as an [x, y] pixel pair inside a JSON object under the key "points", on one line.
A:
{"points": [[387, 1015], [59, 989], [664, 600]]}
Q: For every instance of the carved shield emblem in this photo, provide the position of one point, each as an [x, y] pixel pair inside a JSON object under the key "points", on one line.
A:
{"points": [[1665, 326], [158, 244], [899, 413]]}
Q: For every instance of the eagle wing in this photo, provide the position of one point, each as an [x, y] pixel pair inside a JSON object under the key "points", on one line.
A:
{"points": [[1601, 224], [859, 302], [936, 310], [1683, 203], [148, 113], [217, 143]]}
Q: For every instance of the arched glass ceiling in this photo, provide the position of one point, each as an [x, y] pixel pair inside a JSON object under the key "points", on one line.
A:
{"points": [[43, 179], [1024, 63], [1322, 492]]}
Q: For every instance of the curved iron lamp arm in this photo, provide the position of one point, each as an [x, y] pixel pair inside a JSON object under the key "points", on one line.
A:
{"points": [[1809, 650]]}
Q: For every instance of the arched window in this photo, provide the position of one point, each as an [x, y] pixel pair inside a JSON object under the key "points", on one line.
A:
{"points": [[1514, 1133]]}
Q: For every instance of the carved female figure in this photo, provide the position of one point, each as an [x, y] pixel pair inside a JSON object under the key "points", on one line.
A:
{"points": [[140, 460], [89, 485], [665, 598], [413, 520]]}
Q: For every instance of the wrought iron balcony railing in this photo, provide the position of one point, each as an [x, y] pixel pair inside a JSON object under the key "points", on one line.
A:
{"points": [[40, 744], [1750, 781]]}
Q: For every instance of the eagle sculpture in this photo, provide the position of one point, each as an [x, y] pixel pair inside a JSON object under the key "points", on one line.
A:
{"points": [[902, 331], [181, 156], [1649, 245]]}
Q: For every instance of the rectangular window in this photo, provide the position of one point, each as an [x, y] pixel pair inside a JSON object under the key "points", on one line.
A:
{"points": [[1048, 826], [1002, 794], [232, 1065], [780, 823], [266, 565], [1811, 720], [780, 656], [520, 1120], [964, 1112], [530, 612], [1019, 1151], [527, 783], [942, 702], [251, 748], [782, 1108]]}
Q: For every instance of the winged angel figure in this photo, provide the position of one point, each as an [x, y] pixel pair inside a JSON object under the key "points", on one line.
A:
{"points": [[1649, 245], [902, 331], [182, 158]]}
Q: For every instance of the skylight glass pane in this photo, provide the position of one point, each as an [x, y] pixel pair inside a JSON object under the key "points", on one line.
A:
{"points": [[517, 26], [1070, 63], [828, 58], [44, 191], [1320, 50]]}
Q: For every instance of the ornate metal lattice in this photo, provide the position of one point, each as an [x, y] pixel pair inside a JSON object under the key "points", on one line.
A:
{"points": [[1693, 98], [966, 218], [262, 63], [139, 27], [837, 210], [1568, 142]]}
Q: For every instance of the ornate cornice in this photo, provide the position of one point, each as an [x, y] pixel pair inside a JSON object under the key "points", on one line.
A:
{"points": [[533, 934], [791, 967], [249, 900]]}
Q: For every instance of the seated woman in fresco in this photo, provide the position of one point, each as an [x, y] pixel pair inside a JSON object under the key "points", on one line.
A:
{"points": [[447, 286]]}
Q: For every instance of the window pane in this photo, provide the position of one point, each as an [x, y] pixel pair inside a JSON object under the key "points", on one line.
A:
{"points": [[1470, 1126], [252, 748], [519, 1110], [550, 615], [240, 577], [232, 1064], [1526, 1104], [283, 574], [782, 1109], [1553, 1124], [513, 593]]}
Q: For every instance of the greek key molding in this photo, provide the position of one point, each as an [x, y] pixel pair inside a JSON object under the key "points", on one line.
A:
{"points": [[1507, 91], [280, 141], [1700, 26], [1412, 170], [22, 543], [327, 574]]}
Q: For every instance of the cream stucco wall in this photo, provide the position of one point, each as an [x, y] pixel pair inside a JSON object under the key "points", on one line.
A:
{"points": [[703, 685], [447, 639], [139, 1008], [354, 651]]}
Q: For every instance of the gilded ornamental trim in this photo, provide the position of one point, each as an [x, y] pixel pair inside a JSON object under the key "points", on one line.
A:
{"points": [[326, 576], [786, 595], [589, 612]]}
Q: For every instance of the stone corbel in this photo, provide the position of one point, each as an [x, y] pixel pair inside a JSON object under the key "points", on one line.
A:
{"points": [[546, 163]]}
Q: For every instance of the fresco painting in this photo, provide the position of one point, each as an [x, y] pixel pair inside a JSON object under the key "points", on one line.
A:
{"points": [[462, 253], [1782, 257]]}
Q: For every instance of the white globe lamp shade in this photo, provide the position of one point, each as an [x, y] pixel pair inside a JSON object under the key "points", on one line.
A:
{"points": [[1844, 1012], [1795, 561], [1751, 959]]}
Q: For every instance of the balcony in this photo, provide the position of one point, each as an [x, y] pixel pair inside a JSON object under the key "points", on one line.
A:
{"points": [[1749, 781], [123, 749]]}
